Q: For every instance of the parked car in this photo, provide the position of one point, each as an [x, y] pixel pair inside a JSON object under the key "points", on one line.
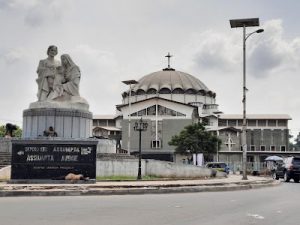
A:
{"points": [[288, 169], [220, 166]]}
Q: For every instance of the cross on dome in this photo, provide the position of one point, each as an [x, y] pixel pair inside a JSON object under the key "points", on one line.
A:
{"points": [[169, 59]]}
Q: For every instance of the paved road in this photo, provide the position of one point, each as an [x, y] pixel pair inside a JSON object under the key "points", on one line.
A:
{"points": [[275, 205]]}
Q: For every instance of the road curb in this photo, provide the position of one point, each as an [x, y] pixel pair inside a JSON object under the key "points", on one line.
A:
{"points": [[159, 189]]}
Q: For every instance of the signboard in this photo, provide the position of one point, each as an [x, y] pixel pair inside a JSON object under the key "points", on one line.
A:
{"points": [[52, 159]]}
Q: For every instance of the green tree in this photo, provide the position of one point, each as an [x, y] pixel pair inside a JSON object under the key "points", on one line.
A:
{"points": [[16, 133], [196, 139], [296, 145], [2, 131]]}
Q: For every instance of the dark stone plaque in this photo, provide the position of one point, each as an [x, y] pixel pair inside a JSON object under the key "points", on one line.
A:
{"points": [[53, 159]]}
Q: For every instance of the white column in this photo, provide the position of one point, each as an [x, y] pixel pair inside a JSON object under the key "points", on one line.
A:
{"points": [[156, 123], [129, 121]]}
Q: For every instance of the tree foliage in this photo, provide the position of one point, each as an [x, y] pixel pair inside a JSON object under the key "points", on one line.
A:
{"points": [[296, 145], [196, 139], [16, 133]]}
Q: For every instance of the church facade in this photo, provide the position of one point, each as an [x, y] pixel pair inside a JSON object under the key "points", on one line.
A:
{"points": [[168, 100], [267, 134]]}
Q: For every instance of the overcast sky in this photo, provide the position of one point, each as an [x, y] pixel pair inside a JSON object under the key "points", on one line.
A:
{"points": [[118, 40]]}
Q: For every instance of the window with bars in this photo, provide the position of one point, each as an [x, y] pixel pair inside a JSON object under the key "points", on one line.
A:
{"points": [[282, 148], [262, 148], [262, 123], [252, 123], [272, 123], [155, 144]]}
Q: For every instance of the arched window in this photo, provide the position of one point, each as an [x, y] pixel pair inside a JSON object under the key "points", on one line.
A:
{"points": [[190, 91], [202, 92], [140, 92], [151, 91], [165, 91], [178, 91]]}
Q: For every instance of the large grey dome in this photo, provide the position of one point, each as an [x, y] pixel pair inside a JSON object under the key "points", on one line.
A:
{"points": [[170, 81]]}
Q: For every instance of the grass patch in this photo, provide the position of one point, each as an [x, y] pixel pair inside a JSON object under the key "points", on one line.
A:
{"points": [[125, 178], [116, 178]]}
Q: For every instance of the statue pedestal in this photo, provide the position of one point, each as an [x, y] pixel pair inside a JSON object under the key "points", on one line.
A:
{"points": [[47, 159], [67, 122]]}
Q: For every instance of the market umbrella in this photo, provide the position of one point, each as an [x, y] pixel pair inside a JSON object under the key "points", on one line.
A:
{"points": [[273, 158]]}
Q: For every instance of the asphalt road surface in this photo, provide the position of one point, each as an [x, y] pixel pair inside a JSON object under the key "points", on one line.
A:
{"points": [[274, 205]]}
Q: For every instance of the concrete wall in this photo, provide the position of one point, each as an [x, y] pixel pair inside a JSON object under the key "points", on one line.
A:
{"points": [[169, 169], [129, 167], [5, 145], [119, 167], [106, 146]]}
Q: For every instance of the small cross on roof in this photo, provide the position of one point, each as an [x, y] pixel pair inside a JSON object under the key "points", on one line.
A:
{"points": [[169, 59]]}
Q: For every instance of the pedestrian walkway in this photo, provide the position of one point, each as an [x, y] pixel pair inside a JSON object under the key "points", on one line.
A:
{"points": [[231, 183]]}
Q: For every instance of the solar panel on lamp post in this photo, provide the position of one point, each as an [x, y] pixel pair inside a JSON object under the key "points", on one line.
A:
{"points": [[236, 23]]}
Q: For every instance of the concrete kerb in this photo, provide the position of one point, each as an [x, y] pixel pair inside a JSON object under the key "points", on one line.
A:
{"points": [[135, 188]]}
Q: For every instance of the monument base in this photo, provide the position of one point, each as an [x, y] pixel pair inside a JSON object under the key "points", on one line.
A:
{"points": [[74, 102], [66, 122], [33, 181], [44, 159]]}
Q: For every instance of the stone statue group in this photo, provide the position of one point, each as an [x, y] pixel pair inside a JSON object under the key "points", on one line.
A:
{"points": [[57, 80]]}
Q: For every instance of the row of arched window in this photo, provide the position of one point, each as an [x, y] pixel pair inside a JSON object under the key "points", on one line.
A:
{"points": [[169, 91]]}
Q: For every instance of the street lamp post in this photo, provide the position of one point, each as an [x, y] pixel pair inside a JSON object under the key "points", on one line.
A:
{"points": [[218, 133], [129, 82], [218, 146], [252, 22], [140, 126]]}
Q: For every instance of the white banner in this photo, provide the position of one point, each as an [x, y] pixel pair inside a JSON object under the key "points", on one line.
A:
{"points": [[198, 159]]}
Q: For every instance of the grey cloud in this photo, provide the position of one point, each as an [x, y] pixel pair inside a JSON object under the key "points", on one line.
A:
{"points": [[13, 55], [266, 52], [210, 60], [272, 52], [216, 52], [17, 4], [100, 71], [4, 4], [264, 60], [35, 18], [44, 12], [36, 12]]}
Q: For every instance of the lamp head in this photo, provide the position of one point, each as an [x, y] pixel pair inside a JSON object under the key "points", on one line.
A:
{"points": [[260, 30]]}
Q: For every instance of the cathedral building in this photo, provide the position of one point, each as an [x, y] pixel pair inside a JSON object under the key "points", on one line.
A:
{"points": [[168, 100]]}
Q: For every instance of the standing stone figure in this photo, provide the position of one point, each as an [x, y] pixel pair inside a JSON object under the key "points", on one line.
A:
{"points": [[66, 82], [71, 75], [47, 71]]}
